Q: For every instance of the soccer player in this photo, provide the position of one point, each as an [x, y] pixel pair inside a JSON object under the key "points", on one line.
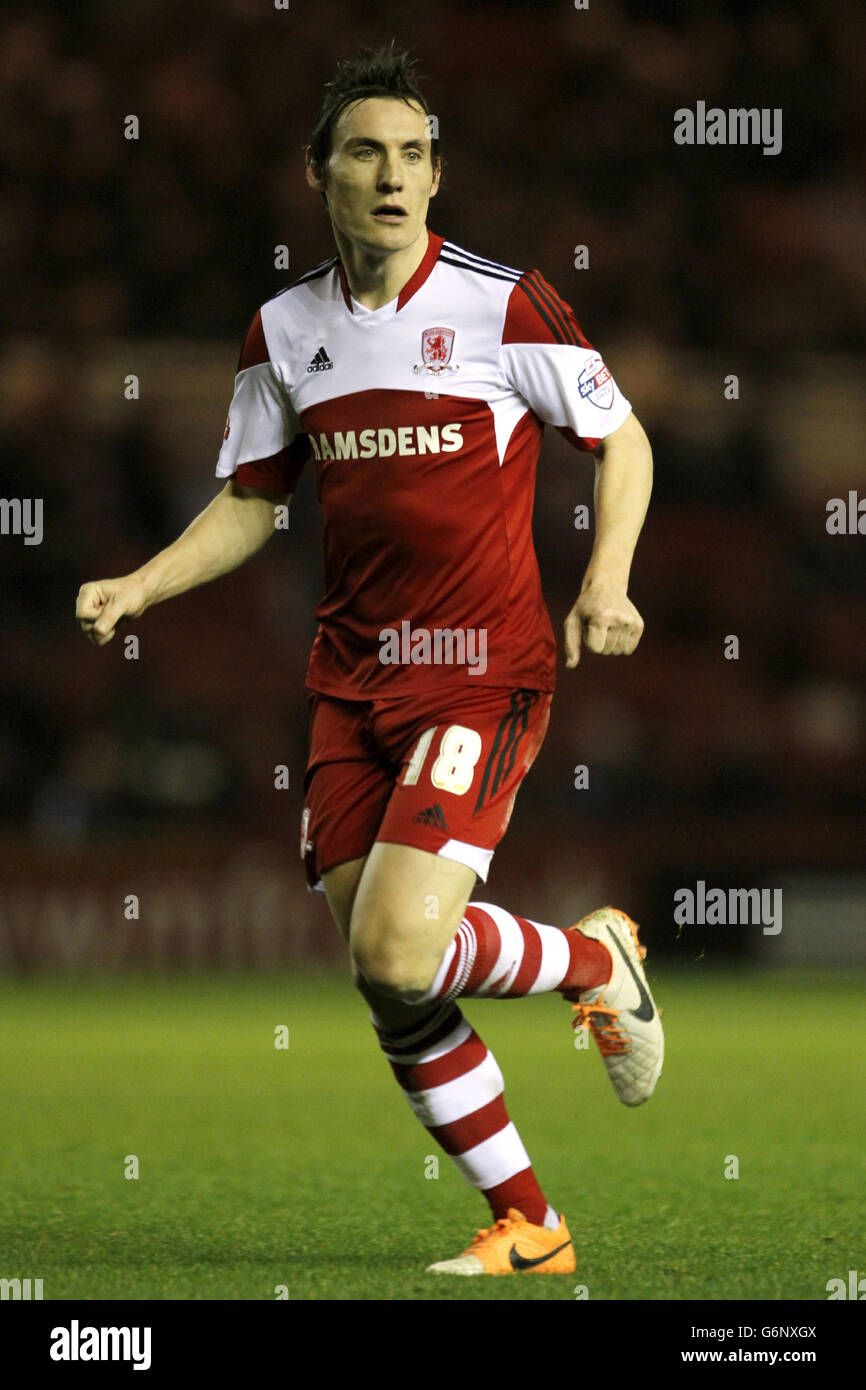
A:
{"points": [[416, 378]]}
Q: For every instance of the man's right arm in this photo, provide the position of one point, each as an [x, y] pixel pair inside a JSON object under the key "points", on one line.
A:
{"points": [[229, 531]]}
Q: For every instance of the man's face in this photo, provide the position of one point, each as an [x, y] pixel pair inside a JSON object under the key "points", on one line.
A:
{"points": [[380, 158]]}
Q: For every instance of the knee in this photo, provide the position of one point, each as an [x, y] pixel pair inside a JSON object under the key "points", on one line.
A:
{"points": [[392, 971]]}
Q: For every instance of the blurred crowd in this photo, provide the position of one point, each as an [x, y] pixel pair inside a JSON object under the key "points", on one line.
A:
{"points": [[557, 129], [556, 124]]}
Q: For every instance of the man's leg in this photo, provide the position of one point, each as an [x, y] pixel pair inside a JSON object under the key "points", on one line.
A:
{"points": [[341, 887], [412, 925], [406, 912], [402, 907], [596, 964]]}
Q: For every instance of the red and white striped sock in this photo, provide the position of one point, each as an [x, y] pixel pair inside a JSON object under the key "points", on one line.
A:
{"points": [[495, 954], [455, 1088]]}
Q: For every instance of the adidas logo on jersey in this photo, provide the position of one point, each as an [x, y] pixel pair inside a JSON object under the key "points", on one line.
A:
{"points": [[405, 440], [321, 362], [432, 815]]}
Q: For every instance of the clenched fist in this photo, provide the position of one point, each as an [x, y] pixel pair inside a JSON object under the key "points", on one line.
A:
{"points": [[604, 618], [103, 603]]}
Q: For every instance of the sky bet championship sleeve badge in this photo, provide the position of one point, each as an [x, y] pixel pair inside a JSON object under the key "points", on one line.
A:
{"points": [[436, 346], [596, 384]]}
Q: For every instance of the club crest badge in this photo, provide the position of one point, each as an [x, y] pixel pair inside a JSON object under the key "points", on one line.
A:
{"points": [[595, 383], [436, 348]]}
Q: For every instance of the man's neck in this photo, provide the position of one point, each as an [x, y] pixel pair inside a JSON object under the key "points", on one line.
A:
{"points": [[375, 279]]}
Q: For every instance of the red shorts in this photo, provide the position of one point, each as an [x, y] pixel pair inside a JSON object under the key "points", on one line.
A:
{"points": [[436, 771]]}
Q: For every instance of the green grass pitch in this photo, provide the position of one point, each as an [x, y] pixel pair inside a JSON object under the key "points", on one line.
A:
{"points": [[304, 1167]]}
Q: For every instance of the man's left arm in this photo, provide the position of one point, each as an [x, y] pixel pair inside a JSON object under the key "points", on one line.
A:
{"points": [[604, 618]]}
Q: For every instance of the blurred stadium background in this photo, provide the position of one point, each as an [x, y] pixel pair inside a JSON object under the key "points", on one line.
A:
{"points": [[155, 777]]}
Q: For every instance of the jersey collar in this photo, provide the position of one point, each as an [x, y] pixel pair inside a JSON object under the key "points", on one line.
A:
{"points": [[415, 281]]}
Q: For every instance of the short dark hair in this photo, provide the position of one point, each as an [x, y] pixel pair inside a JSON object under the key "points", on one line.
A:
{"points": [[379, 72]]}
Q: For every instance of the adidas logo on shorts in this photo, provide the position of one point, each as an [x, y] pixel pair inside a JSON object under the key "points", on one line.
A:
{"points": [[433, 815]]}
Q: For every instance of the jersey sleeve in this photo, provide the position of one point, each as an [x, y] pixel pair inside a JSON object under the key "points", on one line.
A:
{"points": [[263, 445], [548, 361]]}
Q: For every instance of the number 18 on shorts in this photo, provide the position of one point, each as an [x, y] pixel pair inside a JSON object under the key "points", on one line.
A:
{"points": [[438, 774]]}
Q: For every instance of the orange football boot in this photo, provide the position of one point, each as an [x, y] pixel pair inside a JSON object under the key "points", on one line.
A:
{"points": [[514, 1246]]}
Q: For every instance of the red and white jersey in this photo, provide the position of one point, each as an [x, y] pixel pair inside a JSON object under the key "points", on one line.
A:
{"points": [[423, 420]]}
